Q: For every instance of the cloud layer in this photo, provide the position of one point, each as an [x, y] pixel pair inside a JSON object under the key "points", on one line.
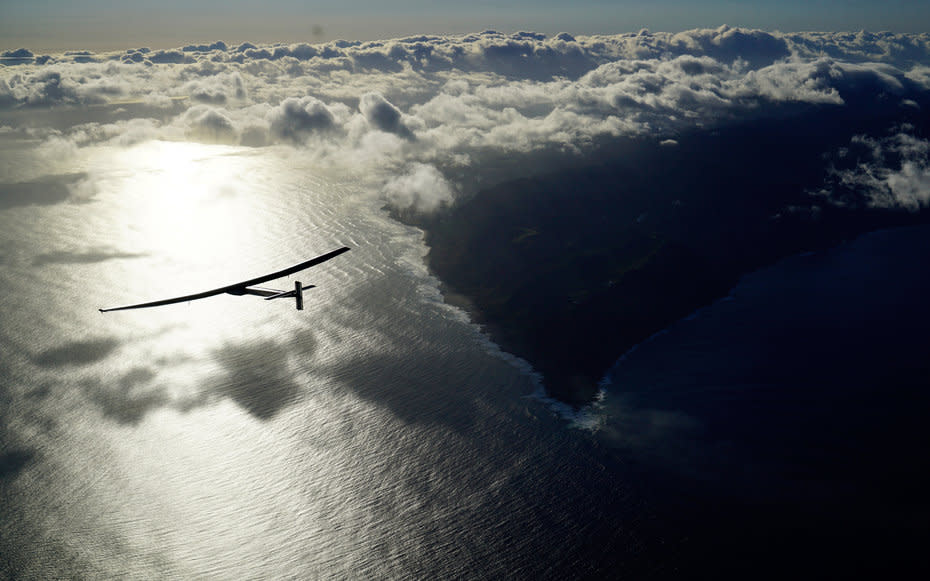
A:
{"points": [[389, 109]]}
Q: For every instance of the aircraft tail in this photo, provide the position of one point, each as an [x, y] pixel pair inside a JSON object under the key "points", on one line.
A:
{"points": [[297, 293]]}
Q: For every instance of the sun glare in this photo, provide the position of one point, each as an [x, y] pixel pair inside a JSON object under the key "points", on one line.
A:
{"points": [[182, 200], [198, 217]]}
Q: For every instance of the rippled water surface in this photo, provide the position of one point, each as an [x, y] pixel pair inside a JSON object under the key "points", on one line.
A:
{"points": [[378, 434]]}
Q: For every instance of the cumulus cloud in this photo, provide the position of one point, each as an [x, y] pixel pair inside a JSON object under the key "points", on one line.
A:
{"points": [[19, 53], [135, 131], [46, 88], [296, 118], [755, 47], [218, 45], [442, 101], [889, 172], [901, 50], [410, 71], [382, 115], [215, 87], [170, 57], [210, 125], [422, 188]]}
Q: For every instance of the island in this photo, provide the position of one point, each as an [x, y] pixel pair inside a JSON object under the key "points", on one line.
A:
{"points": [[570, 268]]}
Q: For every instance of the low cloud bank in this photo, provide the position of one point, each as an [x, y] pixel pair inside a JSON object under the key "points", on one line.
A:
{"points": [[890, 172], [396, 110]]}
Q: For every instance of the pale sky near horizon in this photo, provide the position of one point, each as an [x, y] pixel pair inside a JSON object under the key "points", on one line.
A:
{"points": [[107, 24]]}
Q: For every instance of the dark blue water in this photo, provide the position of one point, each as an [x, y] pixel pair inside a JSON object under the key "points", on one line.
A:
{"points": [[784, 429]]}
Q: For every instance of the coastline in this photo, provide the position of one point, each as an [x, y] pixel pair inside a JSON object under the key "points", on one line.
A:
{"points": [[569, 270]]}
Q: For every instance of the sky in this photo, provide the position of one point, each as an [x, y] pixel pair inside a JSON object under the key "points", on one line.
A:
{"points": [[52, 25]]}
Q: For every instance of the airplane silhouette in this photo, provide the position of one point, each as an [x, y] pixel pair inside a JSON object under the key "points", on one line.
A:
{"points": [[246, 287]]}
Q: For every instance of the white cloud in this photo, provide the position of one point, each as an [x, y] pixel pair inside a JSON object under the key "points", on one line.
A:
{"points": [[215, 87], [891, 172], [210, 125], [373, 107], [382, 115], [422, 188], [294, 119], [900, 50], [726, 44], [170, 57]]}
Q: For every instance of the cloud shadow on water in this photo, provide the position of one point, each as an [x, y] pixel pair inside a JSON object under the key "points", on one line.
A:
{"points": [[415, 375], [398, 384], [13, 462], [129, 400], [76, 353], [46, 191], [258, 377], [14, 457], [87, 257]]}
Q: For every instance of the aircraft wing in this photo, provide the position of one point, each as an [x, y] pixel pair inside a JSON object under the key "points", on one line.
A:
{"points": [[239, 288]]}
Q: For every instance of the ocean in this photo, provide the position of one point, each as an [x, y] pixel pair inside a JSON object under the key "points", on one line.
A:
{"points": [[381, 434]]}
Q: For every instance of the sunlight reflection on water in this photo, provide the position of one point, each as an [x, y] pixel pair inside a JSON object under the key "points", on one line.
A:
{"points": [[230, 437]]}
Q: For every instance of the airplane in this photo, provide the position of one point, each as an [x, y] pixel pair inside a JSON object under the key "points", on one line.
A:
{"points": [[246, 287]]}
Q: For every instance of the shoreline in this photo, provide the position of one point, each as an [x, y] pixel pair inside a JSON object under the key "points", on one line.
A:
{"points": [[571, 269]]}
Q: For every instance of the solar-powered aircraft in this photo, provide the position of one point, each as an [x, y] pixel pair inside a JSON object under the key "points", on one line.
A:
{"points": [[247, 287]]}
